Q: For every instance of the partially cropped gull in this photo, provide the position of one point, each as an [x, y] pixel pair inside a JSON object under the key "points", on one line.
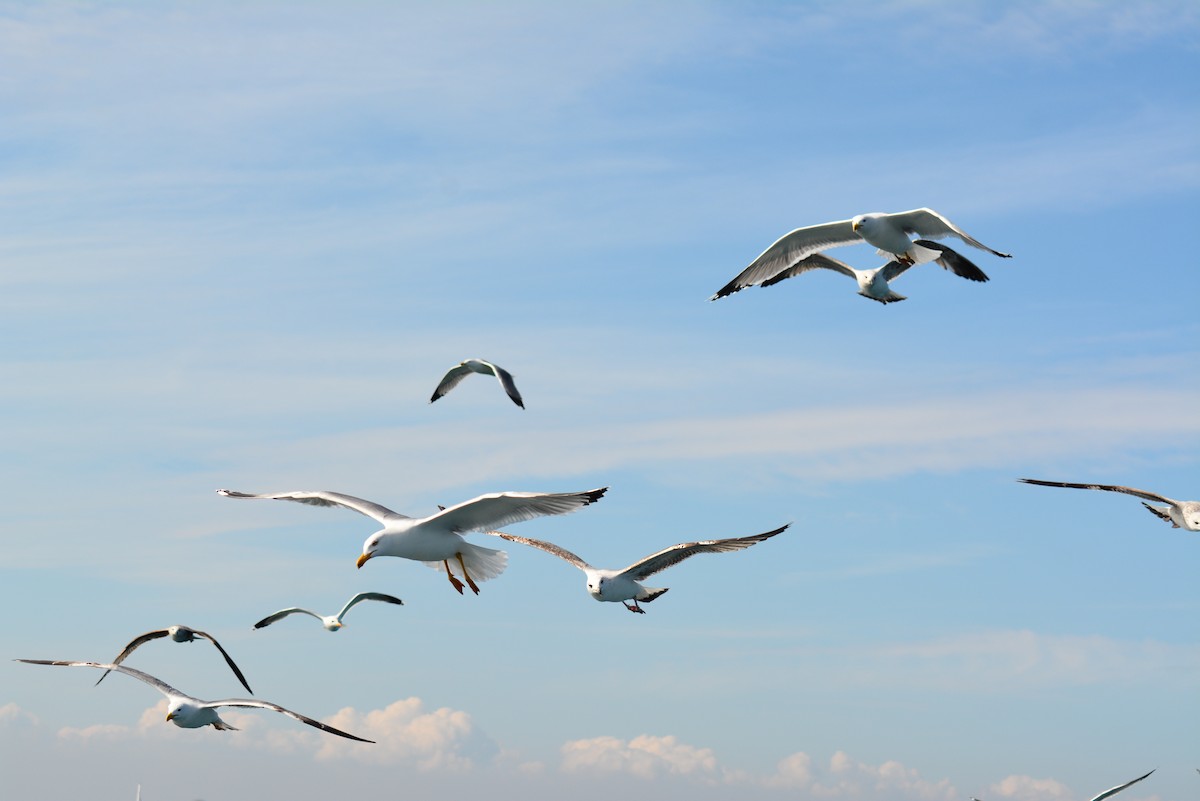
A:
{"points": [[461, 370], [1180, 514], [1110, 791], [178, 634], [876, 284], [889, 233], [330, 622], [191, 713], [625, 585], [437, 539]]}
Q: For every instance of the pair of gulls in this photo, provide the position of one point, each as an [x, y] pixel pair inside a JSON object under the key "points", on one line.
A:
{"points": [[799, 252], [1180, 514], [1110, 791], [437, 539]]}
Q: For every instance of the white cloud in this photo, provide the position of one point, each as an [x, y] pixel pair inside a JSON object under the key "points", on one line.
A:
{"points": [[845, 777], [13, 716], [443, 739], [1027, 788], [645, 756]]}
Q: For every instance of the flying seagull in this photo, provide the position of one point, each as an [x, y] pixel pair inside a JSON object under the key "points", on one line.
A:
{"points": [[459, 371], [887, 232], [1108, 792], [330, 622], [178, 634], [624, 585], [874, 284], [187, 712], [1180, 514], [436, 539]]}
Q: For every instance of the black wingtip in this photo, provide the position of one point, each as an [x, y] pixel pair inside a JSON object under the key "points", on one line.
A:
{"points": [[594, 495]]}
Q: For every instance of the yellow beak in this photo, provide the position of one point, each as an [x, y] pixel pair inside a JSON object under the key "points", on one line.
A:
{"points": [[362, 560], [170, 715]]}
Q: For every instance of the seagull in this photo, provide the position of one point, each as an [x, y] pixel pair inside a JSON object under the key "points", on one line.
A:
{"points": [[624, 585], [187, 712], [178, 634], [887, 232], [1180, 514], [436, 539], [331, 622], [1108, 792], [459, 371], [873, 284]]}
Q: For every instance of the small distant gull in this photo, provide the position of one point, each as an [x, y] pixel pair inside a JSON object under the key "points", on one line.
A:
{"points": [[330, 622], [887, 232], [1108, 792], [191, 713], [874, 284], [1180, 514], [462, 369], [436, 539], [178, 634], [624, 585]]}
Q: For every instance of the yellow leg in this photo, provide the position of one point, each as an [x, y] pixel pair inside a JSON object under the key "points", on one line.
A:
{"points": [[466, 575], [458, 585]]}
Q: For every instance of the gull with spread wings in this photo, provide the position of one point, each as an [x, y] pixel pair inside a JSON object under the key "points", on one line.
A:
{"points": [[888, 232], [330, 622], [437, 539], [187, 712], [625, 585], [461, 370], [178, 634], [1180, 514]]}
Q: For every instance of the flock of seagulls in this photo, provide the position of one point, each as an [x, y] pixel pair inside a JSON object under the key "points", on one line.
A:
{"points": [[438, 541]]}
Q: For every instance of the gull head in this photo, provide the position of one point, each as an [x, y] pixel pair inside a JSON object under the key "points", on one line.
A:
{"points": [[332, 623], [369, 549]]}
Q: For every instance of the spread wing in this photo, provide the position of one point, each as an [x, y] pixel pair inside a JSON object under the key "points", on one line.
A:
{"points": [[1119, 788], [255, 704], [158, 684], [928, 224], [677, 553], [813, 262], [954, 261], [325, 498], [132, 646], [369, 596], [499, 509], [228, 659], [1148, 496], [548, 547], [506, 381], [789, 249], [282, 613], [450, 380]]}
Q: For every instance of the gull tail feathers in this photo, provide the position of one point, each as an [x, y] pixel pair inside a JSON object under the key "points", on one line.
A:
{"points": [[482, 563], [648, 594]]}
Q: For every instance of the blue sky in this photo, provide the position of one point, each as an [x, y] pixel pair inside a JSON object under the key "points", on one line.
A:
{"points": [[241, 242]]}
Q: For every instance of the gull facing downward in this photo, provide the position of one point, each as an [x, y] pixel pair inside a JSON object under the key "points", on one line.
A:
{"points": [[436, 539], [624, 585], [187, 712], [874, 284], [460, 371], [887, 232], [1180, 514], [331, 622], [178, 634]]}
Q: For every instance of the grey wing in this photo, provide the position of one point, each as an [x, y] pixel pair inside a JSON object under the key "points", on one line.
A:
{"points": [[1148, 496], [506, 381], [369, 596], [542, 545], [813, 262], [133, 644], [324, 498], [1162, 515], [1119, 788], [954, 261], [499, 509], [677, 553], [228, 659], [450, 380], [282, 613], [789, 249], [928, 224], [255, 704], [158, 684]]}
